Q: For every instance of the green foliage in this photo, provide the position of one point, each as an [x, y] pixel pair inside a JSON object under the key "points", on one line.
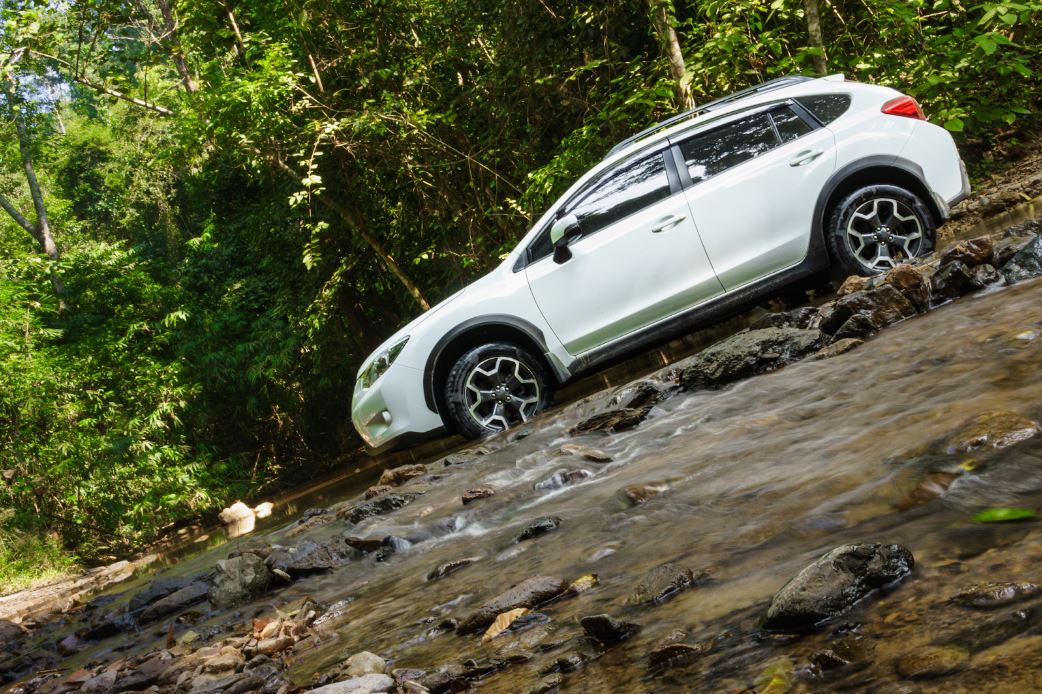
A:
{"points": [[1004, 515]]}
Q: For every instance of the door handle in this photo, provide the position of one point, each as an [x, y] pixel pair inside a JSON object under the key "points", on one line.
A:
{"points": [[806, 157], [667, 223]]}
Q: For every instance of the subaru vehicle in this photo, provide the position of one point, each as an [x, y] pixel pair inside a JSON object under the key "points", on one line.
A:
{"points": [[680, 225]]}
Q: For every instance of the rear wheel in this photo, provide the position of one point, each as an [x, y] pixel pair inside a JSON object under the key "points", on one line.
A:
{"points": [[877, 227], [494, 387]]}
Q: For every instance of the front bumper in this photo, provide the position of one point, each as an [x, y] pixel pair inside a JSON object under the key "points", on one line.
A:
{"points": [[393, 409]]}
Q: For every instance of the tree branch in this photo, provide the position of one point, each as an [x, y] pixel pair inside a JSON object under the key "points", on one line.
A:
{"points": [[156, 108], [17, 216]]}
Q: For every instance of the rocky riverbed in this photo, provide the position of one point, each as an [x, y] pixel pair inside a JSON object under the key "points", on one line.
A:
{"points": [[840, 497]]}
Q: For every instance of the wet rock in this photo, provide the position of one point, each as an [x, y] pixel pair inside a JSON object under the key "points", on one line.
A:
{"points": [[985, 276], [913, 282], [472, 495], [538, 528], [662, 583], [637, 494], [562, 478], [450, 567], [312, 513], [974, 252], [134, 681], [636, 396], [447, 678], [566, 663], [366, 684], [465, 457], [995, 630], [931, 661], [379, 506], [852, 284], [69, 645], [226, 661], [607, 629], [400, 475], [991, 430], [275, 644], [364, 545], [858, 327], [547, 685], [176, 601], [612, 420], [1025, 263], [239, 579], [529, 593], [593, 455], [836, 581], [158, 588], [838, 347], [747, 354], [1006, 248], [306, 558], [671, 655], [259, 547], [804, 317], [988, 596], [376, 490], [953, 280], [10, 634], [876, 308], [931, 486], [100, 684], [365, 663]]}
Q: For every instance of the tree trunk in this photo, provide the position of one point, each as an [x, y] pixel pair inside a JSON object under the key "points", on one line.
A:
{"points": [[41, 231], [662, 20], [176, 54], [817, 40]]}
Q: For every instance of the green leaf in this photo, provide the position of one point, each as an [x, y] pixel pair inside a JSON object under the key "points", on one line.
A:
{"points": [[1004, 515], [954, 124]]}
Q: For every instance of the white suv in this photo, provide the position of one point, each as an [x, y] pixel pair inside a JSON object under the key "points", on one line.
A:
{"points": [[680, 224]]}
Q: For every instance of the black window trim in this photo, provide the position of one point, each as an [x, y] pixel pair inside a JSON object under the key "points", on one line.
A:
{"points": [[798, 109], [673, 177]]}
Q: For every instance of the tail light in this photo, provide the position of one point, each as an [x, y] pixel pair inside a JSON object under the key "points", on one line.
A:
{"points": [[904, 106]]}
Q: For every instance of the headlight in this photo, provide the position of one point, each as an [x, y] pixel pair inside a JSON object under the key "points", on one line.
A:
{"points": [[376, 368]]}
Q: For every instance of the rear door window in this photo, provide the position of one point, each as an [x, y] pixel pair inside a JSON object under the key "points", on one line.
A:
{"points": [[789, 124], [713, 152]]}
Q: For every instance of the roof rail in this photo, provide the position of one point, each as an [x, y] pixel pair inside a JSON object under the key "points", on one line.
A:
{"points": [[769, 85]]}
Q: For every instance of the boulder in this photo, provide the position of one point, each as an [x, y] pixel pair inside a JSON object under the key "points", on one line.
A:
{"points": [[805, 317], [376, 490], [239, 579], [838, 347], [400, 475], [991, 430], [953, 280], [747, 354], [852, 284], [879, 307], [974, 252], [528, 593], [159, 588], [1025, 263], [662, 583], [913, 282], [176, 602], [10, 634], [636, 396], [637, 494], [366, 684], [836, 581]]}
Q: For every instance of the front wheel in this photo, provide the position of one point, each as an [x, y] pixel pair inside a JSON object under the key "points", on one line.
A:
{"points": [[877, 227], [494, 387]]}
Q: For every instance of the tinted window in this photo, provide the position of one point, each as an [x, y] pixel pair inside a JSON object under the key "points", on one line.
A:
{"points": [[710, 153], [623, 192], [620, 193], [826, 107], [789, 125]]}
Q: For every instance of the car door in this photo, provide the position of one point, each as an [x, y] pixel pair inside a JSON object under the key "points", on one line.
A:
{"points": [[638, 258], [754, 186]]}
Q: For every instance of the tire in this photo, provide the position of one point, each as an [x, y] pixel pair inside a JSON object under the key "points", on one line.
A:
{"points": [[877, 227], [493, 387]]}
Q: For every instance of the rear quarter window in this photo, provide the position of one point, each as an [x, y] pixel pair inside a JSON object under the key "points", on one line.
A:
{"points": [[826, 107]]}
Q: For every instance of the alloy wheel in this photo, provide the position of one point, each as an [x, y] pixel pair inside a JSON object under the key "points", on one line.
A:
{"points": [[501, 392], [883, 232]]}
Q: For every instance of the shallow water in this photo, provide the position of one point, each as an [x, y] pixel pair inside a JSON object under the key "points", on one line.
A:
{"points": [[760, 479]]}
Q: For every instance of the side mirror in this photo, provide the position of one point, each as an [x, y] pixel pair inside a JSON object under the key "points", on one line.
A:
{"points": [[561, 234]]}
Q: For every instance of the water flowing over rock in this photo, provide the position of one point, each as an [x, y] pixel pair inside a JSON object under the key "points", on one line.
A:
{"points": [[991, 430], [662, 583], [636, 396], [929, 662], [836, 581], [538, 528], [177, 601], [450, 567], [307, 557], [804, 317], [612, 420], [988, 596], [747, 354], [366, 684], [529, 593], [157, 589], [472, 495], [239, 579], [379, 506]]}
